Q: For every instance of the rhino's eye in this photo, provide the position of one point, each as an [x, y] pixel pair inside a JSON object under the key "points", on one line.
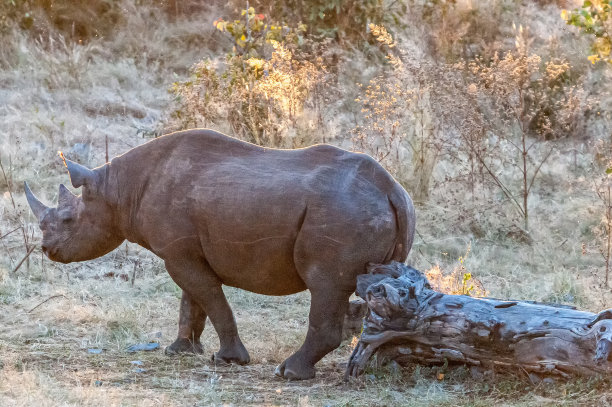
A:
{"points": [[66, 218]]}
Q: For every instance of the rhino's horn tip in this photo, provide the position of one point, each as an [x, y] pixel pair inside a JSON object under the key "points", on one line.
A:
{"points": [[38, 208]]}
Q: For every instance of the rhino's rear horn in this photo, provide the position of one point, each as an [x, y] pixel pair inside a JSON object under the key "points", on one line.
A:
{"points": [[65, 197], [79, 175], [38, 208]]}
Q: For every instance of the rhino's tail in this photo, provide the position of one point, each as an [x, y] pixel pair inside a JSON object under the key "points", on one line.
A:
{"points": [[405, 219]]}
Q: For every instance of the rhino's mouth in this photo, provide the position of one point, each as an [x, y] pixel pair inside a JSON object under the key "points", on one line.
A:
{"points": [[53, 254]]}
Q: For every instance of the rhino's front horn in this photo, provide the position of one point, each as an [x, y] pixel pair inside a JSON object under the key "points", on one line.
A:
{"points": [[79, 175], [38, 208]]}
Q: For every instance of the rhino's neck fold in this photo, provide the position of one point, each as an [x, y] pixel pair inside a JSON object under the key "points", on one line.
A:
{"points": [[123, 186]]}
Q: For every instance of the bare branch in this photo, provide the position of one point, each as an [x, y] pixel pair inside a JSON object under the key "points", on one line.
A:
{"points": [[537, 170], [24, 258]]}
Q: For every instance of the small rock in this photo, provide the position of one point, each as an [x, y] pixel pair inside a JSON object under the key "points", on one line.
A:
{"points": [[476, 373], [476, 229], [137, 362], [94, 351], [139, 370], [519, 234], [143, 347], [534, 378], [394, 368]]}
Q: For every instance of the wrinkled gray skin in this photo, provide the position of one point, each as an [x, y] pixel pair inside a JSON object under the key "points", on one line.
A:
{"points": [[221, 211]]}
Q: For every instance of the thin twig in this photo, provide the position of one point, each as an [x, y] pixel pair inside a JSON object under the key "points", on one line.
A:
{"points": [[50, 298], [8, 233], [24, 258], [8, 251], [420, 235], [134, 272], [537, 170], [9, 187]]}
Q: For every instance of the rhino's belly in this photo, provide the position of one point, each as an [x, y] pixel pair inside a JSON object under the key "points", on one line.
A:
{"points": [[262, 265]]}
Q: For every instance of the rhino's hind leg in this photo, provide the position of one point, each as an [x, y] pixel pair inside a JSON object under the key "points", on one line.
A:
{"points": [[191, 324], [203, 287], [327, 310]]}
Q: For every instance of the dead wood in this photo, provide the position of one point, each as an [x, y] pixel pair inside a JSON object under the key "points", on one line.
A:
{"points": [[407, 321]]}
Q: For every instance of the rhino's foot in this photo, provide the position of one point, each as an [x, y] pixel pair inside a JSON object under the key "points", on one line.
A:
{"points": [[293, 369], [184, 345], [235, 354]]}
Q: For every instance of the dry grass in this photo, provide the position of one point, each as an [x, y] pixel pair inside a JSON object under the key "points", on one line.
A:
{"points": [[62, 96]]}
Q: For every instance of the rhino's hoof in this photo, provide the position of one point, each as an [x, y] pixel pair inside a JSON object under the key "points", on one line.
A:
{"points": [[238, 355], [293, 371], [184, 345]]}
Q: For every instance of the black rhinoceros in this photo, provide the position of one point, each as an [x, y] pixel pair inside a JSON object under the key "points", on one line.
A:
{"points": [[222, 211]]}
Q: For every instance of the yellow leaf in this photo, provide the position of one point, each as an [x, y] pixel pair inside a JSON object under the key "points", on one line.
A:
{"points": [[593, 58]]}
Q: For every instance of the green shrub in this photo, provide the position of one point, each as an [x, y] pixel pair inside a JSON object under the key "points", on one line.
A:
{"points": [[262, 87], [593, 18], [77, 20], [344, 20]]}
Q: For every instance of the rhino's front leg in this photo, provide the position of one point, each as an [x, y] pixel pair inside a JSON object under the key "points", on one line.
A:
{"points": [[203, 288], [191, 324]]}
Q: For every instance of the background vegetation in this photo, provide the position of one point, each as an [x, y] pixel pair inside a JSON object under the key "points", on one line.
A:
{"points": [[494, 115]]}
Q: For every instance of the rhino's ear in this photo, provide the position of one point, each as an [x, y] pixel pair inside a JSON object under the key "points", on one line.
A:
{"points": [[80, 175], [66, 198]]}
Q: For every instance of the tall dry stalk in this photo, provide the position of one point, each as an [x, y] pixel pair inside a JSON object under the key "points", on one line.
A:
{"points": [[8, 182], [604, 229]]}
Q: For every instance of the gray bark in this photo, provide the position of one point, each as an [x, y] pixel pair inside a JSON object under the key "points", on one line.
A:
{"points": [[409, 322]]}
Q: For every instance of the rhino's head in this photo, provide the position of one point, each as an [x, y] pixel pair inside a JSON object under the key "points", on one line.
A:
{"points": [[81, 227]]}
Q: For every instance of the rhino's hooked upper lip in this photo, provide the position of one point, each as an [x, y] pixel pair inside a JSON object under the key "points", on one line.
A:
{"points": [[50, 252]]}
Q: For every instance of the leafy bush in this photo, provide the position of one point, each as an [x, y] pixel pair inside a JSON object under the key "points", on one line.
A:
{"points": [[261, 89], [528, 101], [593, 18], [74, 19], [82, 20], [15, 13], [345, 20], [490, 118]]}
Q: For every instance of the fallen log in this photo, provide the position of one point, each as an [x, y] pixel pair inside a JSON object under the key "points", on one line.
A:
{"points": [[407, 321]]}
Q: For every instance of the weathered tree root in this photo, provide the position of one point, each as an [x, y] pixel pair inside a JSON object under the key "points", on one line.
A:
{"points": [[409, 322]]}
